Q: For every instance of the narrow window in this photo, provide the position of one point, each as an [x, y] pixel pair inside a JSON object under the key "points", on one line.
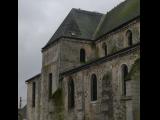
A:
{"points": [[124, 81], [70, 94], [93, 87], [129, 37], [104, 46], [50, 85], [82, 55], [33, 93]]}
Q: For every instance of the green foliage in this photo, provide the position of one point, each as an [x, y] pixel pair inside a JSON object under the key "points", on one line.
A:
{"points": [[136, 114], [83, 62], [59, 104], [58, 97], [114, 49], [119, 15], [93, 45], [107, 76], [135, 69]]}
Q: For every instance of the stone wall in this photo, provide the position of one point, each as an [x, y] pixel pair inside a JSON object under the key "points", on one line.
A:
{"points": [[33, 113], [117, 40], [70, 53], [50, 65], [64, 55], [109, 104]]}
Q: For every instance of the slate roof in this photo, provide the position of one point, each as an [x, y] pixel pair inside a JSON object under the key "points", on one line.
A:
{"points": [[79, 24], [119, 15], [91, 25]]}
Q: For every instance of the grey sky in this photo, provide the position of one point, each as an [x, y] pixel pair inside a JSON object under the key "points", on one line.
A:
{"points": [[37, 22]]}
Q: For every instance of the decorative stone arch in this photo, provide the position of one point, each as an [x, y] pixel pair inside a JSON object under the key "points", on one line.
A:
{"points": [[107, 97], [129, 36], [71, 91]]}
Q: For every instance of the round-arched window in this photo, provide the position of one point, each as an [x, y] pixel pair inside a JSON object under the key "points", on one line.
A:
{"points": [[124, 70], [129, 37], [93, 87], [82, 55]]}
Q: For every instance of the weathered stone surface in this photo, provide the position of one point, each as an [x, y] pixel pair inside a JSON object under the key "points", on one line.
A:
{"points": [[110, 104]]}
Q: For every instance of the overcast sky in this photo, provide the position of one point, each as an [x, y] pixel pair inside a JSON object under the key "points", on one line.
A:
{"points": [[37, 22]]}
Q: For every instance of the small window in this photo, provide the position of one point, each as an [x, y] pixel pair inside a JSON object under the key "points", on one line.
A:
{"points": [[33, 93], [70, 94], [129, 37], [124, 80], [82, 55], [93, 87], [50, 85], [104, 46]]}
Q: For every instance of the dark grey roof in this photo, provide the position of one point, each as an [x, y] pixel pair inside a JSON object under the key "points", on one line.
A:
{"points": [[91, 25], [119, 15], [79, 24]]}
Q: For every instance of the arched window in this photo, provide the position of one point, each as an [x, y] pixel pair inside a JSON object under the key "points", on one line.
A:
{"points": [[70, 93], [124, 69], [104, 46], [82, 55], [93, 87], [129, 37]]}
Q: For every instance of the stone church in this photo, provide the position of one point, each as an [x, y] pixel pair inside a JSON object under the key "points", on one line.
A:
{"points": [[90, 68]]}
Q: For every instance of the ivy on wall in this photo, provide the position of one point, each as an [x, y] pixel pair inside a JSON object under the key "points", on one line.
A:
{"points": [[134, 70], [59, 104]]}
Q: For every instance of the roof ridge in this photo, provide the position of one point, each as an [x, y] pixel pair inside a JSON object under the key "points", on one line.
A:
{"points": [[87, 12], [111, 14], [98, 26], [114, 8], [104, 17]]}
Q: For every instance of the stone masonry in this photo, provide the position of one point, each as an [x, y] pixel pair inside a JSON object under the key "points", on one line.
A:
{"points": [[116, 98]]}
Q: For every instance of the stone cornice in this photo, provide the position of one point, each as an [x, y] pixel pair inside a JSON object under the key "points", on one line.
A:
{"points": [[117, 29], [103, 59]]}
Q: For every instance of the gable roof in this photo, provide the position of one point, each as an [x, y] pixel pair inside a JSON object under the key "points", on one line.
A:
{"points": [[92, 25], [32, 78], [119, 15], [79, 24]]}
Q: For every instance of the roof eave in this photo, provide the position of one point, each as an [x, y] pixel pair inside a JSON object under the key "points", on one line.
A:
{"points": [[29, 80]]}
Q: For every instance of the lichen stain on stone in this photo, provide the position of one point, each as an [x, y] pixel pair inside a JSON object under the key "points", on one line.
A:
{"points": [[114, 49], [97, 52], [59, 104], [134, 72]]}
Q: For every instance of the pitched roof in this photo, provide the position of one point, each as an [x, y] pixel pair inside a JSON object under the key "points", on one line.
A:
{"points": [[91, 25], [78, 23], [32, 78], [119, 15]]}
